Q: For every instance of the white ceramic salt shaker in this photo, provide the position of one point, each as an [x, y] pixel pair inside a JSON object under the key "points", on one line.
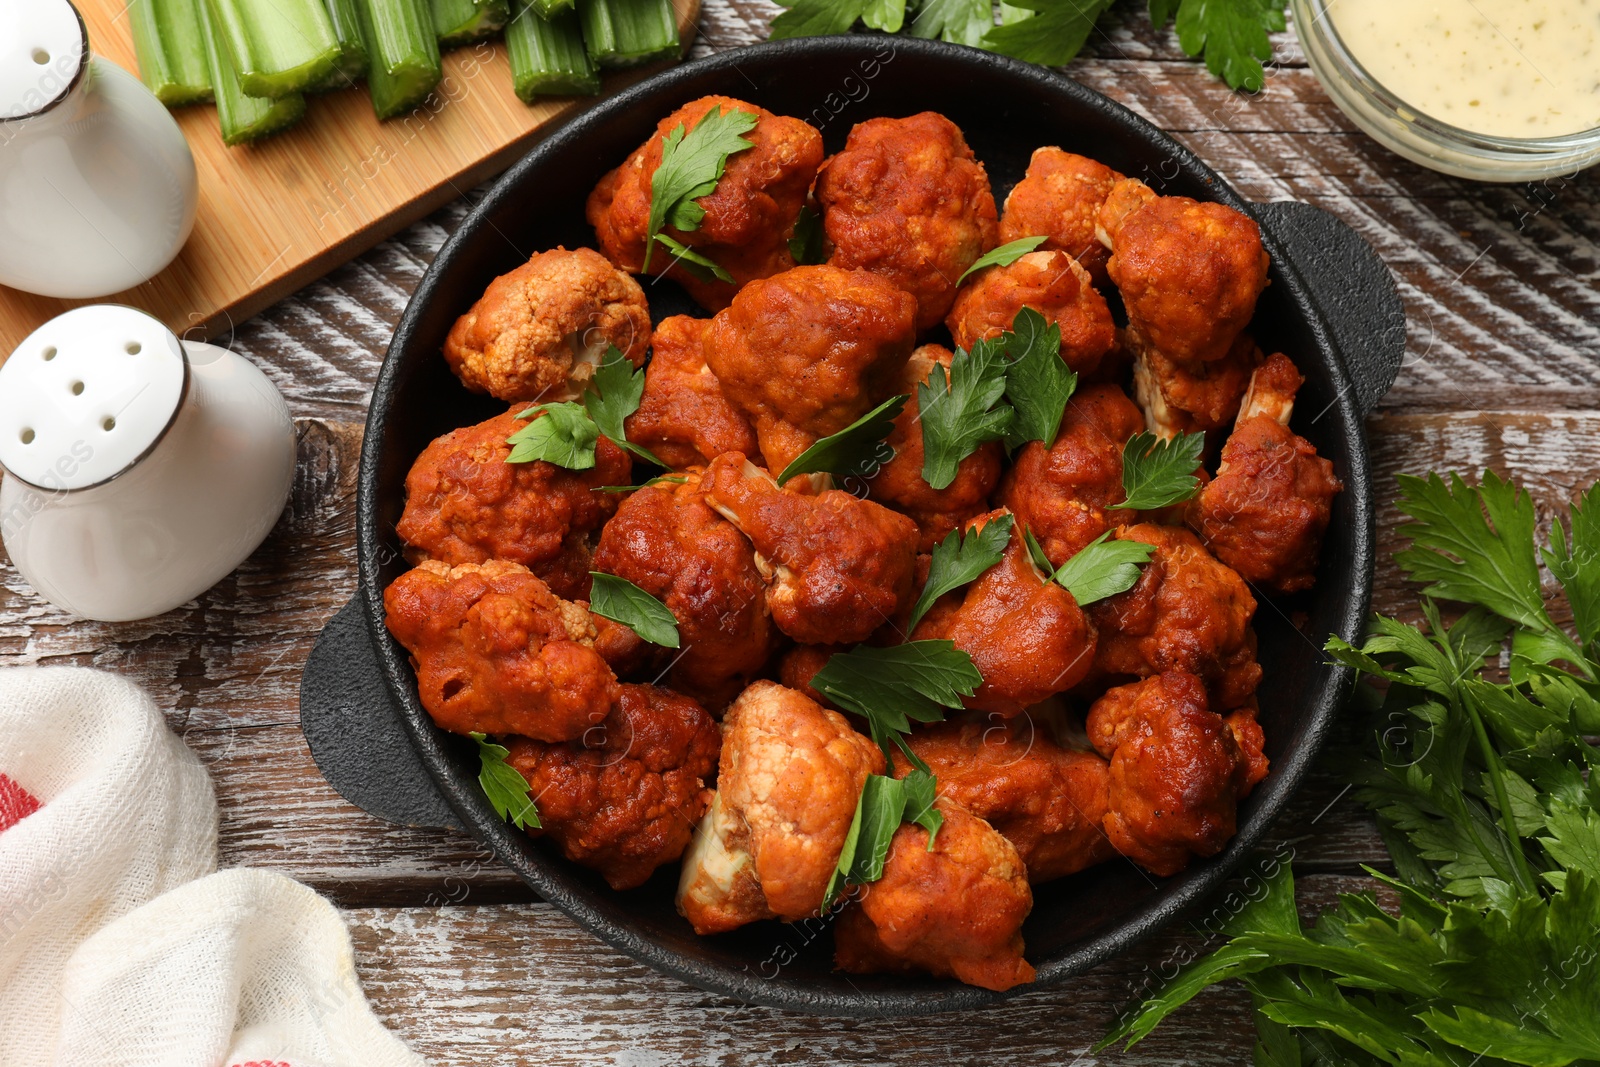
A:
{"points": [[140, 470], [97, 186]]}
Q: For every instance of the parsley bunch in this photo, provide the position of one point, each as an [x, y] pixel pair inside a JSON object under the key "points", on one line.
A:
{"points": [[1487, 793], [1230, 34]]}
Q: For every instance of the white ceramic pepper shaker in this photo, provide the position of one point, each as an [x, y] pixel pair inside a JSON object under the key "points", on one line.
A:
{"points": [[97, 186], [141, 470]]}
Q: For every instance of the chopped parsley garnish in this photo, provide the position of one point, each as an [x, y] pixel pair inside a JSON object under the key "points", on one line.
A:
{"points": [[621, 601], [857, 450], [562, 434], [1159, 473], [613, 395], [884, 804], [698, 264], [1003, 256], [963, 411], [1101, 568], [891, 687], [1038, 382], [691, 165], [504, 785], [961, 558], [806, 245]]}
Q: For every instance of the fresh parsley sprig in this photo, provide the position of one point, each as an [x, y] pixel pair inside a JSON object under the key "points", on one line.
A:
{"points": [[1039, 383], [503, 784], [660, 479], [1003, 256], [894, 686], [884, 804], [620, 600], [566, 433], [1487, 791], [691, 165], [959, 559], [806, 246], [857, 450], [1159, 473], [1102, 568], [962, 411]]}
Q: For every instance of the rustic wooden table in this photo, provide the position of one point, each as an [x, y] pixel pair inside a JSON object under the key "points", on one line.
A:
{"points": [[1502, 293]]}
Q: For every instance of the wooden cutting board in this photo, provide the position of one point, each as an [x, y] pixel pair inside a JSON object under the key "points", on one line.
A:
{"points": [[278, 215]]}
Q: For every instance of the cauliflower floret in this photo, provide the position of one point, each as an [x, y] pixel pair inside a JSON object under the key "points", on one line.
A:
{"points": [[1060, 199], [1053, 284], [838, 566], [496, 652], [683, 417], [466, 504], [624, 799], [539, 332], [790, 776]]}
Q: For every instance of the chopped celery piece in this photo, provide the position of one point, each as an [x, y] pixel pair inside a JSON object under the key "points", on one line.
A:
{"points": [[244, 118], [549, 9], [622, 33], [402, 53], [352, 64], [459, 22], [278, 47], [172, 54], [548, 58]]}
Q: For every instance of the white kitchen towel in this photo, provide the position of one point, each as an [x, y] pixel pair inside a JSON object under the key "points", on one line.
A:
{"points": [[119, 945]]}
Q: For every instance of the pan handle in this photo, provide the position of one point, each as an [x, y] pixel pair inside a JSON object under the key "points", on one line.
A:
{"points": [[355, 733], [1353, 287]]}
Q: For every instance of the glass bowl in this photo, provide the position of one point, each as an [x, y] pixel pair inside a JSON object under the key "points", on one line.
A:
{"points": [[1420, 138]]}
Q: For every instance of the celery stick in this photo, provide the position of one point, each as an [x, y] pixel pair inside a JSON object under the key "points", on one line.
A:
{"points": [[459, 22], [549, 9], [402, 53], [352, 64], [622, 33], [244, 118], [278, 46], [172, 54], [548, 58]]}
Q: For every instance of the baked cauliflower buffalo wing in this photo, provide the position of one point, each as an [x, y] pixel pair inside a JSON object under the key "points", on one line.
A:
{"points": [[899, 483], [1178, 769], [1065, 493], [1048, 800], [953, 911], [1053, 284], [749, 216], [1265, 512], [837, 567], [625, 797], [790, 775], [1187, 613], [466, 504], [539, 332], [668, 541], [1189, 272], [1025, 634], [1185, 398], [808, 352], [683, 417], [496, 652], [1059, 199], [907, 199]]}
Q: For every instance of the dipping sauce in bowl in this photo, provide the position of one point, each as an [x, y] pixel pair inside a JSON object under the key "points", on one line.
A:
{"points": [[1498, 90]]}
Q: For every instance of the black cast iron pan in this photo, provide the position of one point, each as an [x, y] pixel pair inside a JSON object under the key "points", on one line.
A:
{"points": [[1332, 307]]}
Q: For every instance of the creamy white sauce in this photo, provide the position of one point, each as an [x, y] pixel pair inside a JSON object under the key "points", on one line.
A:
{"points": [[1507, 68]]}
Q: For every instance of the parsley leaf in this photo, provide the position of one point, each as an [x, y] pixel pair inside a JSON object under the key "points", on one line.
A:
{"points": [[1038, 383], [825, 18], [1232, 35], [691, 165], [806, 246], [1159, 473], [959, 413], [621, 601], [1036, 550], [1102, 568], [612, 396], [890, 687], [660, 479], [1003, 256], [858, 449], [504, 785], [960, 559], [957, 21], [884, 804], [696, 263], [1053, 36], [562, 434]]}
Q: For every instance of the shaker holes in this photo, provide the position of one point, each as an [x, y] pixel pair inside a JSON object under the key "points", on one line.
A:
{"points": [[77, 388], [40, 56], [108, 424], [27, 436], [133, 348], [49, 353]]}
